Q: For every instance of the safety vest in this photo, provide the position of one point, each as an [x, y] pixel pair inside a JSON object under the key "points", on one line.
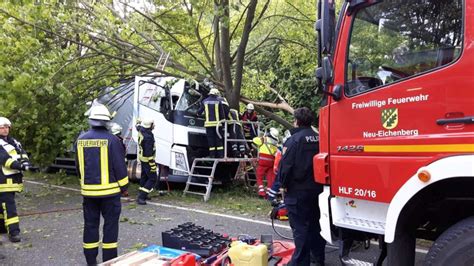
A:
{"points": [[101, 164], [267, 147], [11, 179]]}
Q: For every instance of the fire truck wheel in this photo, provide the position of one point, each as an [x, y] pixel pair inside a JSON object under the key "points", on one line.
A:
{"points": [[455, 246]]}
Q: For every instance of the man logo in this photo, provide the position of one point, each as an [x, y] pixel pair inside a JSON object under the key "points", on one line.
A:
{"points": [[390, 118]]}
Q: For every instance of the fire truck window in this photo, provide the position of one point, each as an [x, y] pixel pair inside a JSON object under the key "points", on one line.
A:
{"points": [[394, 40]]}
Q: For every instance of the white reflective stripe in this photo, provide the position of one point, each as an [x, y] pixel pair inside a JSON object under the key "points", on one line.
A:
{"points": [[145, 190]]}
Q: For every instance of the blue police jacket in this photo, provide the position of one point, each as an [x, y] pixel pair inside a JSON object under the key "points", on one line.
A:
{"points": [[296, 165], [101, 164]]}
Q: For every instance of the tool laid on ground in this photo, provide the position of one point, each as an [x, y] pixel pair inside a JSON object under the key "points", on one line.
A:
{"points": [[196, 239]]}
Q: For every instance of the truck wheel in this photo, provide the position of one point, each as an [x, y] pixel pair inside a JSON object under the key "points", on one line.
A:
{"points": [[455, 246], [402, 251]]}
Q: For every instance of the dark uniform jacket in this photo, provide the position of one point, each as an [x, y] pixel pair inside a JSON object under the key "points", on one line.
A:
{"points": [[11, 156], [101, 164], [147, 150], [250, 129], [216, 108], [296, 166]]}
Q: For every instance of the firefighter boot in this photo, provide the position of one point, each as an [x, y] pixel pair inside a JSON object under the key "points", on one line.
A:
{"points": [[14, 238], [141, 199]]}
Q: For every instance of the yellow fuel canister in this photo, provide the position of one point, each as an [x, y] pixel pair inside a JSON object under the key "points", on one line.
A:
{"points": [[243, 254]]}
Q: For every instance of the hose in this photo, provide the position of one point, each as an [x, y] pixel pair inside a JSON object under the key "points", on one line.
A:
{"points": [[278, 233]]}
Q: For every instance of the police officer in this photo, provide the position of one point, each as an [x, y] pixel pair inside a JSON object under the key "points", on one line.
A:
{"points": [[147, 151], [301, 199], [103, 174], [216, 109], [13, 160]]}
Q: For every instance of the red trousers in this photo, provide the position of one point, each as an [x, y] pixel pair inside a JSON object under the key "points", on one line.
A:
{"points": [[264, 169]]}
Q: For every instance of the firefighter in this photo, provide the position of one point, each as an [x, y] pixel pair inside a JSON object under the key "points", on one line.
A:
{"points": [[301, 198], [267, 147], [103, 174], [273, 193], [236, 132], [116, 130], [14, 160], [250, 129], [147, 152], [216, 109]]}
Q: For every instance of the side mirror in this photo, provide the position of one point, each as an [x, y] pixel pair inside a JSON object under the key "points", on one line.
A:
{"points": [[324, 72], [325, 26]]}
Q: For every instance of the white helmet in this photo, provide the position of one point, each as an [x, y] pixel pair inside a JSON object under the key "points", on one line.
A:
{"points": [[5, 122], [214, 91], [115, 129], [99, 112], [274, 133], [250, 107], [147, 122]]}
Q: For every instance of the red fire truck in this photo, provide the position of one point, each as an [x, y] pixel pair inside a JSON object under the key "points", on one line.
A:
{"points": [[397, 126]]}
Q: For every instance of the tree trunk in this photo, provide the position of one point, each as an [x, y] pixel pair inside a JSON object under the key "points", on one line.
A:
{"points": [[225, 48]]}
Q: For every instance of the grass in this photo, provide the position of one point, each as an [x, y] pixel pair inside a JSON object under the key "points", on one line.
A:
{"points": [[236, 198]]}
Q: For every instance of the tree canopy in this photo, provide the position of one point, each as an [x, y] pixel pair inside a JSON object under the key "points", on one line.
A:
{"points": [[55, 56]]}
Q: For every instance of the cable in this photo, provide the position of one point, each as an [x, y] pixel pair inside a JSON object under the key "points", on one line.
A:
{"points": [[278, 233]]}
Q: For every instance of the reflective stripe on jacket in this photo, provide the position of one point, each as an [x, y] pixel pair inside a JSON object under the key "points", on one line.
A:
{"points": [[101, 164], [146, 146], [11, 154], [216, 109]]}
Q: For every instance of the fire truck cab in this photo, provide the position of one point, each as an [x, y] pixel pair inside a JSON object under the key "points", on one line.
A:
{"points": [[397, 126]]}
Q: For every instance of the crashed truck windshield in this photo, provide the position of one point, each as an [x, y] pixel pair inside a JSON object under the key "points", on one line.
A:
{"points": [[394, 40], [189, 101]]}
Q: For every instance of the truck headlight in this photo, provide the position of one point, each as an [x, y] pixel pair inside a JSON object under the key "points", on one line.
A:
{"points": [[180, 161]]}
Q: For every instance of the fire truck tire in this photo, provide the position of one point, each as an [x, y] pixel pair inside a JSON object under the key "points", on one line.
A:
{"points": [[453, 247], [402, 251]]}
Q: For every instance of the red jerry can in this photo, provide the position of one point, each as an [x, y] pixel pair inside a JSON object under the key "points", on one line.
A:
{"points": [[187, 259]]}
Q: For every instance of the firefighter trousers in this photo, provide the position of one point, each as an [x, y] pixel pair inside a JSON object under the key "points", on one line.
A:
{"points": [[303, 215], [264, 169], [148, 181], [9, 220], [216, 147], [109, 208]]}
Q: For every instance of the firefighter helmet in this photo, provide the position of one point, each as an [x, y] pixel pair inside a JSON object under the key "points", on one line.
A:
{"points": [[214, 91], [99, 112], [250, 107], [147, 122], [5, 122], [274, 133], [116, 129]]}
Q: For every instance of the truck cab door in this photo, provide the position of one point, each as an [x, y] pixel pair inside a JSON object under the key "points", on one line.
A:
{"points": [[402, 84], [153, 100]]}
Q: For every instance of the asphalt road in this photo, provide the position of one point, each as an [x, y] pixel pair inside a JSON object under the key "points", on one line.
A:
{"points": [[51, 222]]}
